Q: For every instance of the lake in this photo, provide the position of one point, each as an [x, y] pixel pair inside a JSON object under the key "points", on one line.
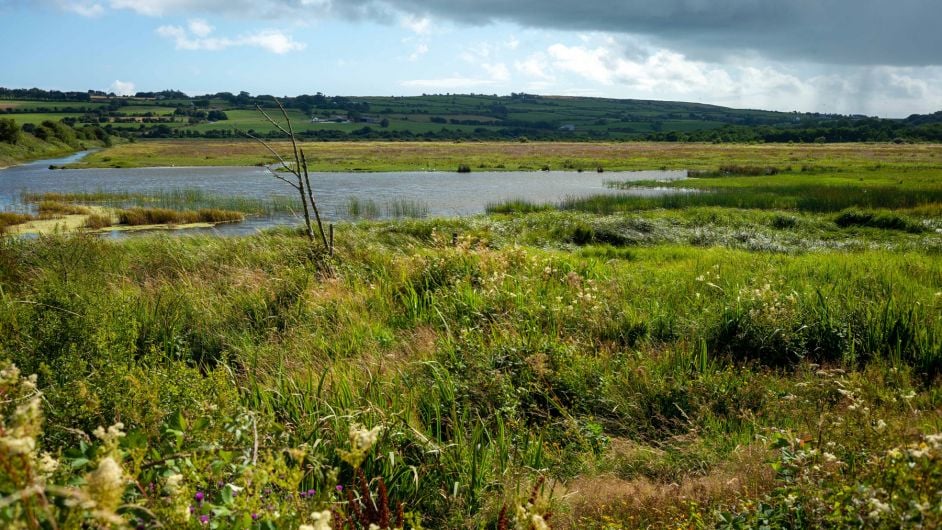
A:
{"points": [[444, 194]]}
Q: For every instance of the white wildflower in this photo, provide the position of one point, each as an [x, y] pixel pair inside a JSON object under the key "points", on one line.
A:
{"points": [[878, 508], [172, 483], [321, 520], [111, 435], [880, 426], [362, 439], [9, 375], [23, 445], [105, 485], [828, 457], [47, 464], [538, 523]]}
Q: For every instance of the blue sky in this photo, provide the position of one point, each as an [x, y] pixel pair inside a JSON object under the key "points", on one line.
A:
{"points": [[862, 56]]}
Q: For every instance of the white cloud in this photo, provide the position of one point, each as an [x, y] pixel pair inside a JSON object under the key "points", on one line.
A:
{"points": [[123, 88], [535, 66], [85, 9], [198, 38], [200, 27], [420, 25], [497, 72], [273, 41], [447, 83], [420, 50]]}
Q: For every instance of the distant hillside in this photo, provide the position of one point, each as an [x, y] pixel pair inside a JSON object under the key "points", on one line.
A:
{"points": [[452, 117]]}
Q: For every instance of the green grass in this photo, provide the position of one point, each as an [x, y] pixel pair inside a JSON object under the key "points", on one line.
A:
{"points": [[487, 363], [38, 118]]}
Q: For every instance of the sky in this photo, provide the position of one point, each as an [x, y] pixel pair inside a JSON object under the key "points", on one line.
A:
{"points": [[872, 57]]}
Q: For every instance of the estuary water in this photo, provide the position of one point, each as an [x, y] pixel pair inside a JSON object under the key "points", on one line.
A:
{"points": [[441, 194]]}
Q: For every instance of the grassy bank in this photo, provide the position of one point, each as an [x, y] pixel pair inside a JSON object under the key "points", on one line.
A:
{"points": [[696, 367], [30, 148], [530, 156]]}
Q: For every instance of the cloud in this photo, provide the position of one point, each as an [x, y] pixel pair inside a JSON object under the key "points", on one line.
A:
{"points": [[447, 83], [200, 27], [198, 37], [123, 88], [420, 25], [900, 32], [535, 66], [85, 9], [420, 50], [867, 32], [497, 72]]}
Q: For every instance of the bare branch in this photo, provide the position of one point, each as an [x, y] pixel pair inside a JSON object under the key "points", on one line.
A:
{"points": [[273, 122], [310, 194], [272, 151], [279, 177]]}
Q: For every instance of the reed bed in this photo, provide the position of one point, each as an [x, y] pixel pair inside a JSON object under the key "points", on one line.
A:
{"points": [[175, 199]]}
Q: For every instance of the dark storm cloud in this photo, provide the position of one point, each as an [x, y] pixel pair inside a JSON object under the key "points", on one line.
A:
{"points": [[862, 32], [900, 32]]}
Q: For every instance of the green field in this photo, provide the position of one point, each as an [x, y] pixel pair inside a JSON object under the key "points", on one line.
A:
{"points": [[764, 353], [491, 117], [38, 118], [26, 105]]}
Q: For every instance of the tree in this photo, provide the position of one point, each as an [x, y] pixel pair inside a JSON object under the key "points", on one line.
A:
{"points": [[302, 180], [9, 131], [384, 123]]}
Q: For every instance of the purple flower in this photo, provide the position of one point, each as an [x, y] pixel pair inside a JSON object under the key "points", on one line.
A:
{"points": [[204, 519], [192, 509], [311, 493], [199, 496], [255, 517], [339, 487], [303, 494]]}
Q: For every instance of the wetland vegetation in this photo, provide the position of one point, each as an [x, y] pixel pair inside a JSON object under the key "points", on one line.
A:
{"points": [[768, 359]]}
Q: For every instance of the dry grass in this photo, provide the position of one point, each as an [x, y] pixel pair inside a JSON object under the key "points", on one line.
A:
{"points": [[13, 218], [98, 221], [164, 216], [643, 502], [54, 209]]}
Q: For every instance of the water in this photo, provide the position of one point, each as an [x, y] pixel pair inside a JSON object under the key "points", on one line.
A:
{"points": [[444, 194]]}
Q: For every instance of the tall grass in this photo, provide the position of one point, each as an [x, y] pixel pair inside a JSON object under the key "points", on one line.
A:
{"points": [[160, 216], [806, 198], [357, 208], [13, 218], [409, 208]]}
